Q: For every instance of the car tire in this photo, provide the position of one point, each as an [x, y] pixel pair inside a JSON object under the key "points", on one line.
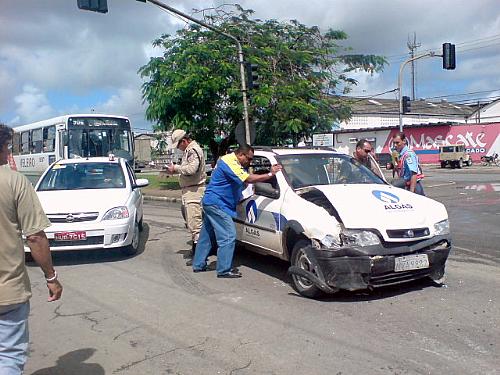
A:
{"points": [[469, 162], [460, 164], [141, 225], [443, 164], [299, 259], [28, 258], [134, 245]]}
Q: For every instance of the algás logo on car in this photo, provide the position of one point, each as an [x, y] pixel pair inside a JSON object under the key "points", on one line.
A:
{"points": [[251, 212], [391, 201]]}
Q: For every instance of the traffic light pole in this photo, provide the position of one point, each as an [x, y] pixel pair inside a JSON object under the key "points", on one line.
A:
{"points": [[240, 59], [400, 84]]}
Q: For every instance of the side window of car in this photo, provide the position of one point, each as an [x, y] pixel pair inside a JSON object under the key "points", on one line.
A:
{"points": [[131, 174], [262, 165]]}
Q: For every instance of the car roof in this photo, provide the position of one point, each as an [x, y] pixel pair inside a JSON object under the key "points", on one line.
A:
{"points": [[296, 151], [99, 159]]}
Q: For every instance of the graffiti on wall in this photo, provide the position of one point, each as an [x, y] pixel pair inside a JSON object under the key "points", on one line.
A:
{"points": [[477, 138]]}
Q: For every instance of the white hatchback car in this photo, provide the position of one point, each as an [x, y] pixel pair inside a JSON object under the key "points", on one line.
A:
{"points": [[339, 225], [93, 203]]}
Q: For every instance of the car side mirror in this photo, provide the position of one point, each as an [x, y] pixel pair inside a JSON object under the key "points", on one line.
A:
{"points": [[141, 182], [267, 190]]}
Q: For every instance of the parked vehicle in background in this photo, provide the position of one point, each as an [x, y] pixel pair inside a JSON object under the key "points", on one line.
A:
{"points": [[340, 225], [490, 160], [93, 203], [36, 146], [454, 156], [383, 158]]}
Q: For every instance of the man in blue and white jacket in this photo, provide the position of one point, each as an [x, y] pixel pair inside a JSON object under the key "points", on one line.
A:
{"points": [[223, 193]]}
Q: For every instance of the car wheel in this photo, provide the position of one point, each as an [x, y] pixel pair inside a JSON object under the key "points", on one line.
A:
{"points": [[460, 164], [141, 224], [28, 258], [443, 164], [299, 259], [134, 245]]}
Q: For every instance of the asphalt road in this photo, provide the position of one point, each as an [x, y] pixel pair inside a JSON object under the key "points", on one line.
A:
{"points": [[150, 314]]}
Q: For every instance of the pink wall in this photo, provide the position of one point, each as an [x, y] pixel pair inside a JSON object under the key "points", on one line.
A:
{"points": [[425, 140]]}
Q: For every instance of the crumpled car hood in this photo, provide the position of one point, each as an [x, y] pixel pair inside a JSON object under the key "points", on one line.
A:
{"points": [[382, 207]]}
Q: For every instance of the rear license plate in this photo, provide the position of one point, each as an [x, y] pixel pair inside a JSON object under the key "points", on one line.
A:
{"points": [[411, 262], [70, 236]]}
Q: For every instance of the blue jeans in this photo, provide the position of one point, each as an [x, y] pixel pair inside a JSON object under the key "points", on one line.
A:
{"points": [[217, 225], [13, 338]]}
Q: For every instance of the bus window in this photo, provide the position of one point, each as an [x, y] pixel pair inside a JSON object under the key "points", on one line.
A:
{"points": [[49, 139], [36, 141], [25, 143], [16, 144]]}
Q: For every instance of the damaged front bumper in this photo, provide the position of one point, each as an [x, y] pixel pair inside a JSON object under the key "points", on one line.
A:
{"points": [[358, 268]]}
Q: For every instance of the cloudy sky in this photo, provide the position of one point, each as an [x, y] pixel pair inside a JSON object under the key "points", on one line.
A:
{"points": [[56, 59]]}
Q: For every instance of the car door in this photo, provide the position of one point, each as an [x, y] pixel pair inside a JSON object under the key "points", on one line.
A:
{"points": [[136, 194], [259, 222]]}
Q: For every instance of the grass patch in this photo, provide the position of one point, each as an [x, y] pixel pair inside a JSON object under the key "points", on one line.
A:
{"points": [[162, 181]]}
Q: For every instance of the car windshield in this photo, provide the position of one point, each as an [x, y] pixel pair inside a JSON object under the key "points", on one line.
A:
{"points": [[77, 176], [326, 169]]}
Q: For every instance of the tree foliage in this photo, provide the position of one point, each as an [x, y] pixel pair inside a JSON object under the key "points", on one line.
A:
{"points": [[195, 84]]}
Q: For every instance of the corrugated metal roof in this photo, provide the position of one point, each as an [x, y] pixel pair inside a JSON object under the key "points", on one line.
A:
{"points": [[370, 106]]}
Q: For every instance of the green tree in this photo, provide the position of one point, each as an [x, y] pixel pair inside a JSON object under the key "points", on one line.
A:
{"points": [[196, 84]]}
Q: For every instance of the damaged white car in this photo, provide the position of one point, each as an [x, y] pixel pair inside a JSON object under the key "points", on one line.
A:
{"points": [[340, 225]]}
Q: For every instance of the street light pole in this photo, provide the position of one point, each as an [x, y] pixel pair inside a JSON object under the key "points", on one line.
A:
{"points": [[400, 84], [240, 58]]}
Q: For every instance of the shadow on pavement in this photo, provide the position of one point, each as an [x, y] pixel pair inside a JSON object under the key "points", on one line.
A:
{"points": [[75, 257], [73, 363], [278, 268]]}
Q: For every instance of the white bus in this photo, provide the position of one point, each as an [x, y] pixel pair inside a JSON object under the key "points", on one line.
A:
{"points": [[37, 145]]}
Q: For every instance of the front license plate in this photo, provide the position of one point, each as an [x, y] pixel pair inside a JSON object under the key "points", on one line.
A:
{"points": [[70, 236], [411, 262]]}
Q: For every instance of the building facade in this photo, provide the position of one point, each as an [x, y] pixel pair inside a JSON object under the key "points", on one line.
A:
{"points": [[479, 139]]}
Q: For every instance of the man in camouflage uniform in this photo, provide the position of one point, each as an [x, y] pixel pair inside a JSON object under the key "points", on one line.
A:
{"points": [[192, 181]]}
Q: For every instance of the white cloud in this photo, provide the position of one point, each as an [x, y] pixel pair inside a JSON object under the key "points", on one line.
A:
{"points": [[58, 48], [32, 105]]}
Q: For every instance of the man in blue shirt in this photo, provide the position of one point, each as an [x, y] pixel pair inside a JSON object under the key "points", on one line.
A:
{"points": [[408, 166], [223, 193]]}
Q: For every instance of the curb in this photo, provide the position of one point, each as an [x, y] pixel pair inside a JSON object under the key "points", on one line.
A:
{"points": [[161, 199]]}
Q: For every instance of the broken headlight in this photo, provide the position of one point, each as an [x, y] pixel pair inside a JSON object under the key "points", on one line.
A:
{"points": [[442, 228], [330, 241], [359, 237]]}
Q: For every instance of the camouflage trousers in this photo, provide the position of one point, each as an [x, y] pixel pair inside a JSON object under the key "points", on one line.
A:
{"points": [[191, 200]]}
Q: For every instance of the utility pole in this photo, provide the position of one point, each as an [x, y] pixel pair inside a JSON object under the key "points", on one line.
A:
{"points": [[449, 63], [412, 46], [102, 7], [400, 84], [240, 58]]}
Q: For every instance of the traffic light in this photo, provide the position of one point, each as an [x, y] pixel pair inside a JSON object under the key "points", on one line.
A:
{"points": [[406, 104], [448, 56], [100, 6], [253, 78]]}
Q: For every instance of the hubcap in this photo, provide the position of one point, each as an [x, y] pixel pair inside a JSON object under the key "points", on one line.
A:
{"points": [[304, 263]]}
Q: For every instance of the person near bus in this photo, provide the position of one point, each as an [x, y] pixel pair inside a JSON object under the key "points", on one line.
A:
{"points": [[192, 182], [408, 168], [20, 214]]}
